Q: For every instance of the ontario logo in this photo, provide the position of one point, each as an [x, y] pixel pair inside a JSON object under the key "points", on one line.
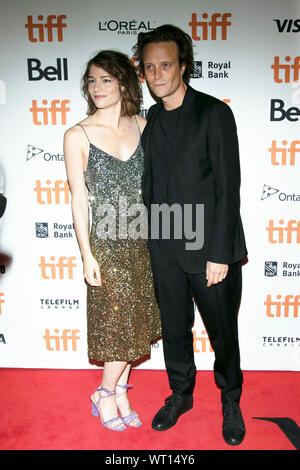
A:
{"points": [[269, 191], [33, 152]]}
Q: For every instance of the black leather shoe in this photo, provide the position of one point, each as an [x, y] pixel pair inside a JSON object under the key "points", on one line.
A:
{"points": [[167, 416], [233, 423]]}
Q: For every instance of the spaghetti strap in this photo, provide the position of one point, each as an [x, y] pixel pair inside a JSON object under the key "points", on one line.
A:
{"points": [[137, 123], [84, 132]]}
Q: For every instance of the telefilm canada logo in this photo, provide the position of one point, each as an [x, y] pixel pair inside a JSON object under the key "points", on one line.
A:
{"points": [[58, 303], [282, 342], [126, 27]]}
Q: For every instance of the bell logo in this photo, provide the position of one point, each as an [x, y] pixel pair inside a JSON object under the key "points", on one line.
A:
{"points": [[53, 22], [283, 152], [218, 22], [60, 187], [53, 110], [278, 113], [288, 234], [62, 269], [50, 73], [286, 308], [286, 69], [57, 342], [2, 301]]}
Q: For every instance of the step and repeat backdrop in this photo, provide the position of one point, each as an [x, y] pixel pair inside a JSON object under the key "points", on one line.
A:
{"points": [[247, 54]]}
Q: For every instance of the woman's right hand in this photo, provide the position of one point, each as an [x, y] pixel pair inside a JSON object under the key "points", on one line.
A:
{"points": [[91, 271]]}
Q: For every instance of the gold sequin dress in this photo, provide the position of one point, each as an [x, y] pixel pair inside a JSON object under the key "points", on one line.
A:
{"points": [[122, 315]]}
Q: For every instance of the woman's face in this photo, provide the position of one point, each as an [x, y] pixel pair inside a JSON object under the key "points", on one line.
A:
{"points": [[103, 88]]}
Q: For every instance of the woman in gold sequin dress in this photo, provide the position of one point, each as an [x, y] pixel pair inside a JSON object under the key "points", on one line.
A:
{"points": [[104, 163]]}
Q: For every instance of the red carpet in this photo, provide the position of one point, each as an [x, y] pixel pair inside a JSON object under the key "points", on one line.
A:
{"points": [[50, 409]]}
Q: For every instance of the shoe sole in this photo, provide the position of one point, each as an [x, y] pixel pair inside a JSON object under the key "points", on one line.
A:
{"points": [[165, 428]]}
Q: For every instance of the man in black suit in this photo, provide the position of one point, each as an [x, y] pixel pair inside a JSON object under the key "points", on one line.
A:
{"points": [[192, 162]]}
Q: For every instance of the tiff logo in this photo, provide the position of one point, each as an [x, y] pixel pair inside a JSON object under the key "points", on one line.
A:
{"points": [[63, 268], [286, 69], [283, 159], [53, 110], [60, 187], [218, 22], [286, 308], [201, 343], [57, 342], [284, 234], [53, 22]]}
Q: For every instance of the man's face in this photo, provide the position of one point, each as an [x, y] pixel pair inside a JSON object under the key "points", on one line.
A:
{"points": [[162, 70]]}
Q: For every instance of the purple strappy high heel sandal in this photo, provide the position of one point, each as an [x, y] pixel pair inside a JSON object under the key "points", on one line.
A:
{"points": [[96, 412], [130, 418]]}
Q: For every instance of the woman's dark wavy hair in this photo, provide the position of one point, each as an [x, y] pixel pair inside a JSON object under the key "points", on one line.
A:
{"points": [[119, 67], [167, 33]]}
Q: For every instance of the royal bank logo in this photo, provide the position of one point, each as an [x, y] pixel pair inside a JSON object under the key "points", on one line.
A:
{"points": [[41, 229], [197, 70], [57, 230], [211, 69], [286, 269], [270, 268], [126, 27]]}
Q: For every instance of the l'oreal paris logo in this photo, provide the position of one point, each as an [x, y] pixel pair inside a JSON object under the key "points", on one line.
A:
{"points": [[126, 27]]}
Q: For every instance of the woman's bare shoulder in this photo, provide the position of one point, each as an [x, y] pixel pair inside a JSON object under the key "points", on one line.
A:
{"points": [[75, 132]]}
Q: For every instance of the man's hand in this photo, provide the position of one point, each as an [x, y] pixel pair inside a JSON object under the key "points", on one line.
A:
{"points": [[215, 272]]}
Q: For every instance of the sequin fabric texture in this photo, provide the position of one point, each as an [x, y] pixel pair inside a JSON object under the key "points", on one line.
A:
{"points": [[122, 315]]}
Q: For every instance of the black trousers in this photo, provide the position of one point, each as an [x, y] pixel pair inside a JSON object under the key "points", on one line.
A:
{"points": [[218, 305]]}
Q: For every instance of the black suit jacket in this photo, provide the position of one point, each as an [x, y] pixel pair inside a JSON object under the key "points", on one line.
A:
{"points": [[204, 170]]}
